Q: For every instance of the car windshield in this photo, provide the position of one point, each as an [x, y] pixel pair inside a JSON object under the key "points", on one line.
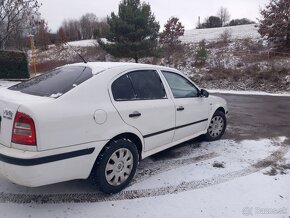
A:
{"points": [[55, 83]]}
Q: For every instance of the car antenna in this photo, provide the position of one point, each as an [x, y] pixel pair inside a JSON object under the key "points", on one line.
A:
{"points": [[76, 52]]}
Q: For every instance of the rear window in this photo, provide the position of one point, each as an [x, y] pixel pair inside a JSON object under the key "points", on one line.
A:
{"points": [[55, 83]]}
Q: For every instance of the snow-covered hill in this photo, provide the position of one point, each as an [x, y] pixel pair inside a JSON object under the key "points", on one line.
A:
{"points": [[212, 34], [196, 35], [84, 43]]}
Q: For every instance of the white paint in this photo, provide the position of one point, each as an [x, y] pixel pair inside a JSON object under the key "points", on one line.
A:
{"points": [[66, 123]]}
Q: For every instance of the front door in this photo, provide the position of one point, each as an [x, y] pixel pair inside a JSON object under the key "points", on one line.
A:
{"points": [[191, 110]]}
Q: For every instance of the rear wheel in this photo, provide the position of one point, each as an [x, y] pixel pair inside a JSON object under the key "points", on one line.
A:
{"points": [[116, 166], [216, 127]]}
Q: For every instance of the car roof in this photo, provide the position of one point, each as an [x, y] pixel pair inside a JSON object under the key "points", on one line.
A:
{"points": [[98, 67]]}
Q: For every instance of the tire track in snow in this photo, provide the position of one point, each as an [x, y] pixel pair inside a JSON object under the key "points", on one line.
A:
{"points": [[152, 169], [134, 194]]}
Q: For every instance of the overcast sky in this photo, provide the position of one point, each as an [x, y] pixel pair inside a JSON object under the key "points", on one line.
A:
{"points": [[55, 11]]}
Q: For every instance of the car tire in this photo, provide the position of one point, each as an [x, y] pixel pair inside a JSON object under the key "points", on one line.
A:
{"points": [[116, 166], [217, 126]]}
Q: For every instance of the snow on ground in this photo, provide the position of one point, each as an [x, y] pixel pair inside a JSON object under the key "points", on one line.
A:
{"points": [[212, 34], [181, 182], [84, 43], [249, 93]]}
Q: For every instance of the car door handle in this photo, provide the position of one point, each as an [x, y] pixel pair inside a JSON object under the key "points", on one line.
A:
{"points": [[135, 114], [180, 108]]}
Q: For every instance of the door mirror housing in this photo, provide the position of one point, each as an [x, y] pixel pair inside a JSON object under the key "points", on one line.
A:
{"points": [[204, 93]]}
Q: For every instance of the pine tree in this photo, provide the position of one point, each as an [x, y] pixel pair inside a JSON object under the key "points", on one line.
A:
{"points": [[133, 32], [169, 38], [275, 22]]}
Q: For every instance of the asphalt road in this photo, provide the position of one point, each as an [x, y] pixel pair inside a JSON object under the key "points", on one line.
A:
{"points": [[254, 117]]}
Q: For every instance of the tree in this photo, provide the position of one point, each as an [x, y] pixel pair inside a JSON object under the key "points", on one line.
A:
{"points": [[243, 21], [102, 29], [133, 32], [42, 35], [88, 24], [60, 37], [201, 53], [72, 29], [169, 38], [15, 14], [275, 22], [224, 15], [211, 22]]}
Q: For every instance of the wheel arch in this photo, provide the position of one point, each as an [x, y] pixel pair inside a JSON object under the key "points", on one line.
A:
{"points": [[221, 109]]}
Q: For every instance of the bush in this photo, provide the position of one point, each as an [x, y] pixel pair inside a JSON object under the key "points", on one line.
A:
{"points": [[13, 65], [225, 36], [201, 53]]}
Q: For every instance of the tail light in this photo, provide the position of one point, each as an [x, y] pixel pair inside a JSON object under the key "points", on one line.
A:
{"points": [[23, 130]]}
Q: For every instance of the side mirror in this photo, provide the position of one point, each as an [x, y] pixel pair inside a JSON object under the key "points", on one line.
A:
{"points": [[204, 93]]}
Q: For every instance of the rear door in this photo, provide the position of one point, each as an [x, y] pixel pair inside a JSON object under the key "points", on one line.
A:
{"points": [[191, 110], [142, 102]]}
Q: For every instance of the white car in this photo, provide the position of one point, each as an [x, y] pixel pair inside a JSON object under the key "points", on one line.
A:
{"points": [[97, 120]]}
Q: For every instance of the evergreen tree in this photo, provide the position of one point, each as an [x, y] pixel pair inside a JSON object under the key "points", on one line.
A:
{"points": [[133, 32], [211, 22], [275, 22], [169, 38]]}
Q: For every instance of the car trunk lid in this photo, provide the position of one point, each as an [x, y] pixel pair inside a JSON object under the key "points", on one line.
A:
{"points": [[10, 102]]}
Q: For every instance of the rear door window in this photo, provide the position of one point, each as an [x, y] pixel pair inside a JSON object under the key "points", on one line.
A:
{"points": [[139, 85], [56, 82], [122, 89], [147, 85]]}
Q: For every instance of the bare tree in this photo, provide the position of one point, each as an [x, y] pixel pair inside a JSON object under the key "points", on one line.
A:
{"points": [[224, 15], [88, 24], [72, 29], [15, 14], [60, 37], [42, 35]]}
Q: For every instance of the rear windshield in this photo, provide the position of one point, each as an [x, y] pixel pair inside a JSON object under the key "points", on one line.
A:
{"points": [[55, 83]]}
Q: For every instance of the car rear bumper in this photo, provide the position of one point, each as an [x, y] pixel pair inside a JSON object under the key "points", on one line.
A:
{"points": [[34, 169]]}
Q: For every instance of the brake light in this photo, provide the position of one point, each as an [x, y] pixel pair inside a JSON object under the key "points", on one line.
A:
{"points": [[23, 130]]}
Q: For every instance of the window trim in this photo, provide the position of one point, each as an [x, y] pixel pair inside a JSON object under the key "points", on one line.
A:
{"points": [[138, 99], [179, 74]]}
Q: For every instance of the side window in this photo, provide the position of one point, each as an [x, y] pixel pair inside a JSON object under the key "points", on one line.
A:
{"points": [[138, 85], [122, 89], [147, 85], [180, 86]]}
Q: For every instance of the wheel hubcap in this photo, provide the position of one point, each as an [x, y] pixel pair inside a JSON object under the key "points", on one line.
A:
{"points": [[216, 126], [119, 167]]}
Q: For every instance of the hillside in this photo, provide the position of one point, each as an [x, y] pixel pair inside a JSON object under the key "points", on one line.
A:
{"points": [[212, 34], [241, 61]]}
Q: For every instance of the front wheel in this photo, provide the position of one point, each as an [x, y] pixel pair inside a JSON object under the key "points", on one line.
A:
{"points": [[116, 166], [216, 127]]}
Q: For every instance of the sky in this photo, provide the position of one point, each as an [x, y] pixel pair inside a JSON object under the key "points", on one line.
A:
{"points": [[188, 11]]}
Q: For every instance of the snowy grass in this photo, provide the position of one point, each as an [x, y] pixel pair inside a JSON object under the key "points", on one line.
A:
{"points": [[212, 34], [249, 93]]}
